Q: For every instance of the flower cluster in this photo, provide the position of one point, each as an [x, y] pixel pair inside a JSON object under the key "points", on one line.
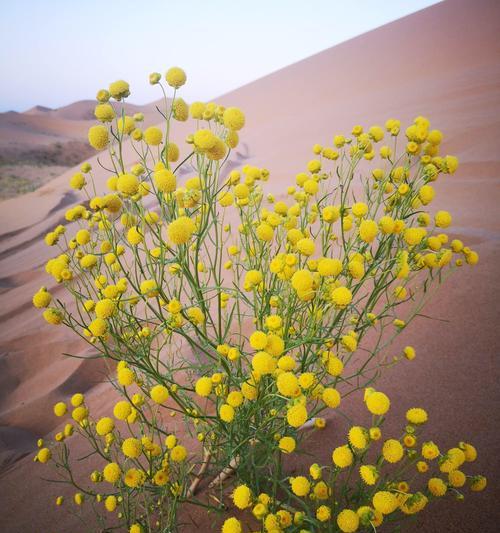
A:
{"points": [[393, 478], [247, 313]]}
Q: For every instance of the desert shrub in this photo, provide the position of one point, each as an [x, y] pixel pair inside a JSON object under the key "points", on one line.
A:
{"points": [[248, 315]]}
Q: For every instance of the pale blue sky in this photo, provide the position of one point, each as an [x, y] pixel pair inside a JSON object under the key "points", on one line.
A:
{"points": [[54, 52]]}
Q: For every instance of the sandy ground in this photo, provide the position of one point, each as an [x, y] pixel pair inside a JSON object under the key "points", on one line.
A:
{"points": [[442, 62]]}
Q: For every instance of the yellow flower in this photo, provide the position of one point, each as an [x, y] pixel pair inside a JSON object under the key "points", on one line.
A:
{"points": [[242, 497], [331, 397], [392, 451], [98, 137], [287, 444], [233, 118], [385, 502], [203, 387], [416, 416], [300, 485], [368, 230], [437, 487], [104, 426], [378, 403], [341, 297], [178, 453], [119, 89], [159, 394], [296, 416], [42, 298], [153, 136], [180, 230], [176, 77], [226, 413], [369, 474], [232, 525], [342, 456], [348, 521], [132, 447]]}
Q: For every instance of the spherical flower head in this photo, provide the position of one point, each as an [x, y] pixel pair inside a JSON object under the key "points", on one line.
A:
{"points": [[42, 298], [306, 247], [125, 377], [226, 413], [300, 486], [153, 136], [180, 230], [105, 308], [80, 414], [132, 447], [287, 444], [341, 297], [368, 230], [104, 113], [176, 77], [437, 487], [258, 340], [98, 327], [60, 409], [342, 456], [378, 403], [359, 209], [442, 219], [111, 473], [165, 181], [110, 503], [348, 521], [159, 394], [469, 451], [385, 502], [180, 110], [235, 398], [457, 479], [232, 525], [178, 453], [358, 437], [119, 89], [478, 483], [98, 137], [242, 497], [104, 426], [331, 397], [203, 387], [154, 78], [263, 363], [296, 415], [102, 96], [329, 267], [204, 139], [416, 416], [126, 125], [452, 460], [414, 236], [127, 184], [288, 384], [233, 118], [264, 231], [77, 181], [369, 474], [134, 478], [122, 410], [44, 455], [392, 451]]}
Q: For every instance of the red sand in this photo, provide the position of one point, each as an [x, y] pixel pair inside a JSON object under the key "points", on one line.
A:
{"points": [[444, 63]]}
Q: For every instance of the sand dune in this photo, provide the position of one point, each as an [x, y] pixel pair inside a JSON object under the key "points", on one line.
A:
{"points": [[442, 62], [41, 143]]}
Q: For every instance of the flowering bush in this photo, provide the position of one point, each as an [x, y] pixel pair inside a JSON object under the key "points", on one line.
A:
{"points": [[247, 315]]}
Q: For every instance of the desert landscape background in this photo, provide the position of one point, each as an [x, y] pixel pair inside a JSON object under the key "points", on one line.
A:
{"points": [[443, 63]]}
